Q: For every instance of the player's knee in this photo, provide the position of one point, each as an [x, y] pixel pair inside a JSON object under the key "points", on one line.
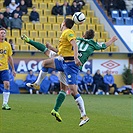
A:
{"points": [[6, 85], [43, 64]]}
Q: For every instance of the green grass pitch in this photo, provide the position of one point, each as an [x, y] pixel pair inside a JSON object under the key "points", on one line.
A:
{"points": [[31, 114]]}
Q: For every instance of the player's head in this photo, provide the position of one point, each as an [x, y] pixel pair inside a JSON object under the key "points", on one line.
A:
{"points": [[67, 23], [2, 33], [89, 34]]}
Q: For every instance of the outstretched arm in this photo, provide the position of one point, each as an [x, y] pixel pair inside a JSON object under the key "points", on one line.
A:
{"points": [[112, 40]]}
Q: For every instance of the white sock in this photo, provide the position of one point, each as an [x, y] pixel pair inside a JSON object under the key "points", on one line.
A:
{"points": [[37, 92], [6, 97], [40, 77], [80, 104], [31, 91]]}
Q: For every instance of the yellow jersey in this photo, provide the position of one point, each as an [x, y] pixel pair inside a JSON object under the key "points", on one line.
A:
{"points": [[5, 52], [65, 48]]}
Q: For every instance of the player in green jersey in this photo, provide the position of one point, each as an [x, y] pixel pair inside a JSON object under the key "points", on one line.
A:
{"points": [[86, 47]]}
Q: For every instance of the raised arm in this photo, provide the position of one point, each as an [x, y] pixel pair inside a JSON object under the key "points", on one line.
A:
{"points": [[112, 40]]}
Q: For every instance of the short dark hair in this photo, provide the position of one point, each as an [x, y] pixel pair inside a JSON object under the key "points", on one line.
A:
{"points": [[89, 34], [69, 23], [2, 28]]}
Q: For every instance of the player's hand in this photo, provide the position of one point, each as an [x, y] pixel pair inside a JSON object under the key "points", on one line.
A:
{"points": [[77, 62], [14, 73], [48, 45], [114, 38]]}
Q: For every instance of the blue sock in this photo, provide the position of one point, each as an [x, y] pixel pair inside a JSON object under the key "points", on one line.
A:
{"points": [[5, 90], [76, 96]]}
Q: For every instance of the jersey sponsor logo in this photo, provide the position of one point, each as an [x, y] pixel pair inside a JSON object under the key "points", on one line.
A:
{"points": [[3, 51], [71, 35], [69, 76]]}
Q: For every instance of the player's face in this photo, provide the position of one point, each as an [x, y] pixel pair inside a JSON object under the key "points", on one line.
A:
{"points": [[2, 34]]}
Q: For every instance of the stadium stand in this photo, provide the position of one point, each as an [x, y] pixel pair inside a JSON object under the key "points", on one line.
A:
{"points": [[49, 25], [119, 21]]}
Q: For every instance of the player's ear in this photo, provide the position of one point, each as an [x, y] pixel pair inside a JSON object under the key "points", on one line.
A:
{"points": [[83, 36]]}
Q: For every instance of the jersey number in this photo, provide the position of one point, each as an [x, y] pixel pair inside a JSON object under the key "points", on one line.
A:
{"points": [[82, 46]]}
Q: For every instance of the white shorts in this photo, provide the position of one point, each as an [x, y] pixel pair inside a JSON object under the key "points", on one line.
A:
{"points": [[62, 78], [61, 75]]}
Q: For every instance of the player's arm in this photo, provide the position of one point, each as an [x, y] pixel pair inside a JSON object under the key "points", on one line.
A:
{"points": [[102, 45], [75, 47], [49, 46], [11, 62], [112, 40]]}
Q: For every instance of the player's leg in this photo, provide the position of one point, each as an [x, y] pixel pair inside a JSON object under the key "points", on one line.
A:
{"points": [[59, 100], [48, 63], [37, 45], [6, 91], [71, 75], [62, 94]]}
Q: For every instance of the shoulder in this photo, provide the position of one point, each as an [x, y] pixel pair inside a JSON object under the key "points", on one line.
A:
{"points": [[70, 30], [6, 43]]}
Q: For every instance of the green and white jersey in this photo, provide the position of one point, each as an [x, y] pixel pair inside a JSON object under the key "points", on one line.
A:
{"points": [[87, 47]]}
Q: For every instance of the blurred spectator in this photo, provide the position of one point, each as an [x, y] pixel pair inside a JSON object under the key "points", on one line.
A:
{"points": [[18, 11], [110, 5], [6, 2], [55, 84], [80, 83], [131, 13], [75, 8], [13, 5], [14, 89], [4, 22], [56, 9], [129, 4], [45, 85], [65, 9], [7, 13], [12, 45], [16, 22], [121, 5], [88, 82], [30, 78], [99, 83], [81, 3], [109, 80], [23, 7], [28, 3], [34, 15]]}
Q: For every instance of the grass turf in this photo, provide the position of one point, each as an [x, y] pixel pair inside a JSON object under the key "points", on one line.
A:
{"points": [[31, 113]]}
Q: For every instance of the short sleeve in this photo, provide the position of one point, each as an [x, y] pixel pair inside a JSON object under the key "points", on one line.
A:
{"points": [[71, 35]]}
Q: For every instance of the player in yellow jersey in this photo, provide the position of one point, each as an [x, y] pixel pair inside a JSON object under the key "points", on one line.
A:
{"points": [[67, 49], [5, 57]]}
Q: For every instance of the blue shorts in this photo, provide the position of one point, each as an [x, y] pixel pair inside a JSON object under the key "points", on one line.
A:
{"points": [[71, 71], [4, 76], [58, 64], [69, 68]]}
